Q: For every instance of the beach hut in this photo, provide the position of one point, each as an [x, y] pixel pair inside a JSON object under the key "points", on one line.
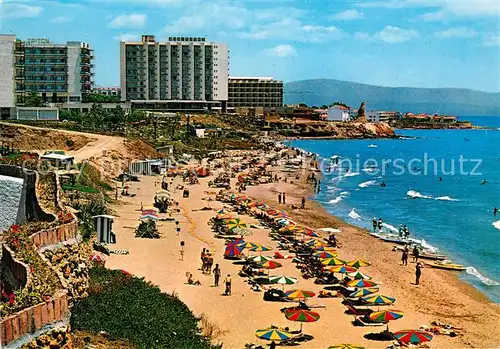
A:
{"points": [[103, 226]]}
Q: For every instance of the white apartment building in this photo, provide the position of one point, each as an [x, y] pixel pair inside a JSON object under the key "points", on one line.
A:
{"points": [[182, 73], [255, 92], [338, 113]]}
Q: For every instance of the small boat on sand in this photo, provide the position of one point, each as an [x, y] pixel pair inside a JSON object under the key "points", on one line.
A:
{"points": [[432, 256], [446, 265]]}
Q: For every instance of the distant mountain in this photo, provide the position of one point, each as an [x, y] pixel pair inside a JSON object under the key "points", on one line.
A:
{"points": [[452, 101]]}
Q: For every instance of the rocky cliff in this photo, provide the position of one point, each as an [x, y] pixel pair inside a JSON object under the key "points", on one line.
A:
{"points": [[337, 130]]}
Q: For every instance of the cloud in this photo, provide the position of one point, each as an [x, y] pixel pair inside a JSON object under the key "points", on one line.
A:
{"points": [[209, 15], [134, 20], [60, 19], [456, 8], [16, 10], [128, 37], [281, 51], [433, 16], [395, 35], [458, 33], [292, 29], [278, 13], [361, 36], [491, 40], [348, 15]]}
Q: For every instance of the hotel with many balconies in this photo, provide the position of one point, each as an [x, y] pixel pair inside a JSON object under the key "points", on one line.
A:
{"points": [[59, 73], [180, 74], [254, 92]]}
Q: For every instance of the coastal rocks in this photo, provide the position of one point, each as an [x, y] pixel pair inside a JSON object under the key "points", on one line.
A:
{"points": [[361, 113]]}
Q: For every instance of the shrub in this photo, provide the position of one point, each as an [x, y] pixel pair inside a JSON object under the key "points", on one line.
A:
{"points": [[130, 308]]}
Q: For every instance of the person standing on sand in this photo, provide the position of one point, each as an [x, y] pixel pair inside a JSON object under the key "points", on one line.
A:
{"points": [[209, 262], [303, 203], [404, 256], [216, 275], [227, 282], [284, 199], [380, 224], [374, 224], [279, 199], [418, 272], [203, 255], [272, 345], [416, 253]]}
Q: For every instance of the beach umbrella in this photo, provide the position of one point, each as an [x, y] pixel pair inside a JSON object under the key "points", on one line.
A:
{"points": [[232, 251], [362, 292], [221, 211], [358, 263], [332, 261], [299, 294], [325, 248], [324, 254], [247, 244], [241, 231], [361, 283], [273, 334], [315, 243], [236, 223], [270, 265], [386, 315], [224, 216], [282, 280], [235, 242], [259, 259], [413, 336], [301, 315], [379, 300], [359, 275], [260, 248], [343, 269], [346, 346]]}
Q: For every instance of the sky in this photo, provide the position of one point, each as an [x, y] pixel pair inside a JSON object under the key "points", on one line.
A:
{"points": [[417, 43]]}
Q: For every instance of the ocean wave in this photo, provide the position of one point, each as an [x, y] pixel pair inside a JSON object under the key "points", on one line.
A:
{"points": [[351, 174], [474, 272], [336, 200], [369, 169], [354, 215], [367, 183], [446, 198], [390, 227], [331, 189], [496, 224], [415, 194], [344, 193]]}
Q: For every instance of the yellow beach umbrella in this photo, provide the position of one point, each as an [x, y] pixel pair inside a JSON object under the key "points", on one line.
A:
{"points": [[358, 263], [332, 261]]}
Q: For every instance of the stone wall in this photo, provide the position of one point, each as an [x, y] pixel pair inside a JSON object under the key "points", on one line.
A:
{"points": [[18, 270]]}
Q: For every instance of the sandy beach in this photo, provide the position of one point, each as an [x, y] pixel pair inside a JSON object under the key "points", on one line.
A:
{"points": [[441, 295]]}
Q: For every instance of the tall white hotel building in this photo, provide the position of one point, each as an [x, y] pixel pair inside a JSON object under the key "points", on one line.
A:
{"points": [[184, 73]]}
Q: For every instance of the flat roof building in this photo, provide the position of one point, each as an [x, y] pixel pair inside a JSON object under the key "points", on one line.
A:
{"points": [[255, 92], [182, 73], [59, 73]]}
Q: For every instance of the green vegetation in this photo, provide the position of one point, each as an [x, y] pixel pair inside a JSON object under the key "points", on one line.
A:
{"points": [[339, 103], [33, 99], [130, 308], [81, 188], [147, 230], [96, 119]]}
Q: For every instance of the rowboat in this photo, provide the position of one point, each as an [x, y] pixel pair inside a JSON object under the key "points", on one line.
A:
{"points": [[446, 265], [432, 256]]}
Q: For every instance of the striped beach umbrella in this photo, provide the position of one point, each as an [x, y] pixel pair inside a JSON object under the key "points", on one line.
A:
{"points": [[358, 263], [342, 269], [260, 248], [413, 336], [346, 346], [273, 334], [359, 275], [325, 248], [282, 280], [236, 223], [247, 244], [386, 315], [259, 259], [324, 254], [379, 300], [232, 251], [361, 283], [315, 243], [362, 292], [301, 315], [270, 265], [332, 261], [299, 294]]}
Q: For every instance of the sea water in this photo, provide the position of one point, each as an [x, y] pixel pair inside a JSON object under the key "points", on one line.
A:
{"points": [[10, 196], [453, 215]]}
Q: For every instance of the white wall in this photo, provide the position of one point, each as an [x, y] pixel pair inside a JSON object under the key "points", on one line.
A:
{"points": [[221, 72], [337, 114], [7, 82], [10, 200], [373, 116], [74, 71]]}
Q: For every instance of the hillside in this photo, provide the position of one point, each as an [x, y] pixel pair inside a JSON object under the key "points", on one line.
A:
{"points": [[451, 101]]}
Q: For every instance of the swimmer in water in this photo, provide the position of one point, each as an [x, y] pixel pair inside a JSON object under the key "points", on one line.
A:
{"points": [[483, 181]]}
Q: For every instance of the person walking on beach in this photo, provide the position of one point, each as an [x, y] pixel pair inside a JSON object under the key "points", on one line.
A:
{"points": [[279, 199], [284, 199], [401, 230], [404, 256], [495, 211], [227, 282], [210, 262], [406, 231], [374, 223], [380, 224], [202, 257], [216, 275], [416, 253], [303, 203], [418, 272]]}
